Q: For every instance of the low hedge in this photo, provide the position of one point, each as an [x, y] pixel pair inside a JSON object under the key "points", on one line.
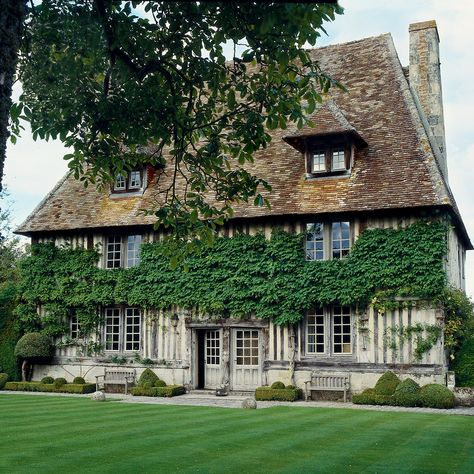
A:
{"points": [[50, 387], [3, 380], [370, 397], [168, 391], [278, 394]]}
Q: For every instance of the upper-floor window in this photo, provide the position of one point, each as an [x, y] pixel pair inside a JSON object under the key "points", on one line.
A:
{"points": [[122, 331], [74, 326], [329, 331], [325, 241], [331, 159], [132, 181], [122, 251]]}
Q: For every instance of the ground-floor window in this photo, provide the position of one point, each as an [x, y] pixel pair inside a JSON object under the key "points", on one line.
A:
{"points": [[123, 329], [329, 331]]}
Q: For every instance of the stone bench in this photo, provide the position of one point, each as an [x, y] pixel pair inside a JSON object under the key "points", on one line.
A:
{"points": [[124, 377], [329, 383]]}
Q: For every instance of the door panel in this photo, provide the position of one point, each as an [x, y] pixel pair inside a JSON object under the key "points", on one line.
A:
{"points": [[212, 359], [246, 359]]}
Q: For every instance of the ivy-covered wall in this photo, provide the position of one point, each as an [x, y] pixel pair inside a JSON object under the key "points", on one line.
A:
{"points": [[236, 277]]}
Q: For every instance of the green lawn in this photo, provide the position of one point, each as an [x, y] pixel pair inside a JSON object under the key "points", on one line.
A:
{"points": [[64, 435]]}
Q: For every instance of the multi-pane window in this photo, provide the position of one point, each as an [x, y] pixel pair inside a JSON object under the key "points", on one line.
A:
{"points": [[133, 250], [128, 182], [74, 327], [246, 347], [329, 331], [319, 162], [326, 241], [338, 160], [315, 333], [114, 251], [340, 239], [213, 348], [342, 330], [123, 329], [315, 241], [123, 251]]}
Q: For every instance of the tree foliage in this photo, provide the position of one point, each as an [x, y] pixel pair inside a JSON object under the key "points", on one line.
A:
{"points": [[131, 83]]}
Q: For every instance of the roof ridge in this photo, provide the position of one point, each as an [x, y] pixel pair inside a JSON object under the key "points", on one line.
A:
{"points": [[343, 43]]}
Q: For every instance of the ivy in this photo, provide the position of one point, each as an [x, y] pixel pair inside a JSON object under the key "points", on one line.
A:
{"points": [[236, 277]]}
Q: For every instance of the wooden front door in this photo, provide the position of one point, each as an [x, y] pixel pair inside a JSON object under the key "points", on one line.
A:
{"points": [[212, 358], [246, 359]]}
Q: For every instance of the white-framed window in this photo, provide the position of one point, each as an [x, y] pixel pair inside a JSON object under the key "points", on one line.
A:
{"points": [[324, 241], [122, 330], [328, 331], [315, 241], [340, 239], [318, 162], [74, 327], [132, 181], [122, 251], [338, 161]]}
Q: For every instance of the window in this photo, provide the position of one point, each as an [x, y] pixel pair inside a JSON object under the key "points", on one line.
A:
{"points": [[314, 241], [122, 329], [333, 159], [123, 251], [329, 331], [131, 182], [74, 327], [327, 240]]}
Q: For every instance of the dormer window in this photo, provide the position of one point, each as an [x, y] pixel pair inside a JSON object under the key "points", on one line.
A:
{"points": [[338, 160], [129, 183], [328, 160], [319, 162]]}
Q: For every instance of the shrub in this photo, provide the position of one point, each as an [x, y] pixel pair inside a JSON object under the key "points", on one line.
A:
{"points": [[291, 386], [3, 380], [78, 381], [160, 383], [387, 384], [463, 364], [59, 382], [147, 385], [367, 397], [147, 376], [277, 394], [168, 391], [40, 387], [47, 380], [34, 347], [278, 385], [436, 396], [407, 394]]}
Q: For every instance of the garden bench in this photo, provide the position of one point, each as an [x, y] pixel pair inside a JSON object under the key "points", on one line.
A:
{"points": [[124, 377], [330, 383]]}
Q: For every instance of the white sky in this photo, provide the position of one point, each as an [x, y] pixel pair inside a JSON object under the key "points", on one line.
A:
{"points": [[33, 168]]}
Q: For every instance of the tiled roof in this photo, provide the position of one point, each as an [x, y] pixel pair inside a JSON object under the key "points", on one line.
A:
{"points": [[398, 168]]}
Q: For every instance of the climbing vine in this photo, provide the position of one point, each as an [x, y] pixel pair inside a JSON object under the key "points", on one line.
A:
{"points": [[237, 277]]}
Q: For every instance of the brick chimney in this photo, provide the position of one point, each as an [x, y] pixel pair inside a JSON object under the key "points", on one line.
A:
{"points": [[425, 80]]}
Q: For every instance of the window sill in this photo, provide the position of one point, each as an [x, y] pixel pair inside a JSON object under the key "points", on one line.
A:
{"points": [[126, 194], [327, 174]]}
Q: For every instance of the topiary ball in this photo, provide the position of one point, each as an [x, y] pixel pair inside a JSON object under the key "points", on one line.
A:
{"points": [[387, 384], [34, 347], [160, 383], [436, 396], [407, 394], [47, 380], [59, 382], [292, 387], [278, 385], [147, 376], [79, 381]]}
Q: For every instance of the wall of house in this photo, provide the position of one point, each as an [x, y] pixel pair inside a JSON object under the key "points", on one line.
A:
{"points": [[456, 260]]}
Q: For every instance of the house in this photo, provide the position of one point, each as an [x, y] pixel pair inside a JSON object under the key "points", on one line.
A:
{"points": [[376, 159]]}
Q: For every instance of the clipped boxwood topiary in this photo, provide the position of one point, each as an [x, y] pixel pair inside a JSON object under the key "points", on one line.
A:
{"points": [[407, 394], [278, 385], [387, 384], [47, 379], [3, 380], [35, 347], [436, 396], [367, 397], [79, 381], [160, 383], [147, 376], [292, 387], [59, 382]]}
